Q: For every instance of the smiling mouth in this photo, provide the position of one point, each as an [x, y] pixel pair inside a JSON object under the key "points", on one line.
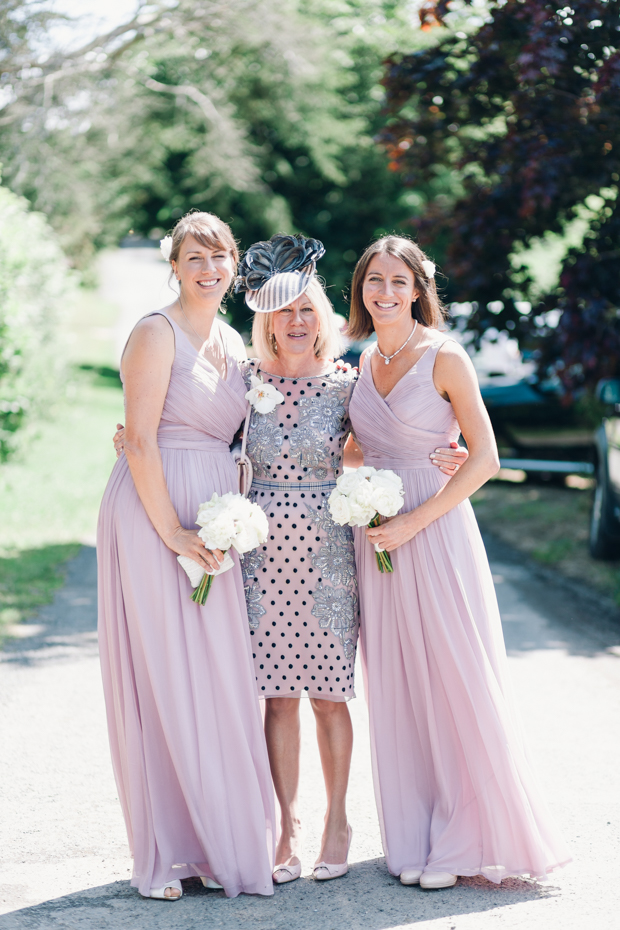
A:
{"points": [[208, 284], [385, 306], [297, 335]]}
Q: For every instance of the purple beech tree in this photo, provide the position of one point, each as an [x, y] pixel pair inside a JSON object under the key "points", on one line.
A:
{"points": [[524, 113]]}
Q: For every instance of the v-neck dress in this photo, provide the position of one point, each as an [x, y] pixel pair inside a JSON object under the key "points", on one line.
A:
{"points": [[301, 586], [184, 719], [454, 784]]}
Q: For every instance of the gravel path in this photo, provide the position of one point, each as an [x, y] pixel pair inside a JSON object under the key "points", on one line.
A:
{"points": [[64, 857]]}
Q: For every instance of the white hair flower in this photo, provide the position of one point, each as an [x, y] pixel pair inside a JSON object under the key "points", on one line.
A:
{"points": [[429, 268], [165, 246]]}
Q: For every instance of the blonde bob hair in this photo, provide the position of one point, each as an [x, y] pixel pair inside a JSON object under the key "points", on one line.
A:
{"points": [[427, 309], [329, 343]]}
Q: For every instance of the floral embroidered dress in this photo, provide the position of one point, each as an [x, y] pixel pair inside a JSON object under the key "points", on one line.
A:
{"points": [[301, 587]]}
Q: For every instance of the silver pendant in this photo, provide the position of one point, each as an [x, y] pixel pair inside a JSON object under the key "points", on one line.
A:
{"points": [[387, 361]]}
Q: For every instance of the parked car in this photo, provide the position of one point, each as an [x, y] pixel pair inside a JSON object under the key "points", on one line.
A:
{"points": [[605, 519], [534, 429]]}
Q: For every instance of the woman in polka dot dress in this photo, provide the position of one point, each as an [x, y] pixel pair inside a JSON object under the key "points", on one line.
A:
{"points": [[301, 587]]}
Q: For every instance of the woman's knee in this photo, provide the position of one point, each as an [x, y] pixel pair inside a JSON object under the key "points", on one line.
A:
{"points": [[329, 709], [282, 708]]}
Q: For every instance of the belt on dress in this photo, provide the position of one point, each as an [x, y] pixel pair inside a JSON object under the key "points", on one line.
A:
{"points": [[290, 486]]}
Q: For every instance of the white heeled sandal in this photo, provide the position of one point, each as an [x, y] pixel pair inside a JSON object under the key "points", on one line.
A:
{"points": [[410, 876], [161, 892], [324, 871], [435, 880]]}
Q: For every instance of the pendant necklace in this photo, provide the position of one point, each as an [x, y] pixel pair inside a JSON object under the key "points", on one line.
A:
{"points": [[388, 358]]}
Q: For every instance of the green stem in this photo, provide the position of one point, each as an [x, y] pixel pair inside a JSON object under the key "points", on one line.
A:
{"points": [[384, 562], [200, 594]]}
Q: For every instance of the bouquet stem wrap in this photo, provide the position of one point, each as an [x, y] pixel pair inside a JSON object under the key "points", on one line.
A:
{"points": [[227, 521], [384, 561]]}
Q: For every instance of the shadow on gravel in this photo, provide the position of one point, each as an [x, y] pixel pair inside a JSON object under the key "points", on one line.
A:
{"points": [[542, 610], [368, 898], [67, 624]]}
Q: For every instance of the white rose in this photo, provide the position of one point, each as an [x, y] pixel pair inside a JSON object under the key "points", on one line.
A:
{"points": [[366, 471], [387, 501], [263, 397], [347, 482], [429, 268], [165, 246], [219, 532], [361, 505], [247, 538], [339, 507], [388, 475], [361, 516]]}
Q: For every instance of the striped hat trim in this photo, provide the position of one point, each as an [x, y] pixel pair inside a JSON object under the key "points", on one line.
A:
{"points": [[279, 291]]}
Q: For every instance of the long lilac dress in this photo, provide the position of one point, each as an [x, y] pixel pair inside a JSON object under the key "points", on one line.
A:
{"points": [[185, 728], [454, 786]]}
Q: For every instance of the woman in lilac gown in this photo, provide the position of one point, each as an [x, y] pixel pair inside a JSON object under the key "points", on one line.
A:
{"points": [[185, 727], [454, 785]]}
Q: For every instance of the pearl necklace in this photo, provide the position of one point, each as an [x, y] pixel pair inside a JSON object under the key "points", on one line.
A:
{"points": [[388, 358]]}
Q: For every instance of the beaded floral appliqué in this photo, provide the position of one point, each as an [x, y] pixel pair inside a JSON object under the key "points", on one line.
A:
{"points": [[336, 610]]}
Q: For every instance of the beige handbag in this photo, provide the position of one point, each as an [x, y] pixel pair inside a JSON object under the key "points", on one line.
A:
{"points": [[244, 465]]}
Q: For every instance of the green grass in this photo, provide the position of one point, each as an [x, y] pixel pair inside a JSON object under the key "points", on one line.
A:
{"points": [[551, 525], [50, 492]]}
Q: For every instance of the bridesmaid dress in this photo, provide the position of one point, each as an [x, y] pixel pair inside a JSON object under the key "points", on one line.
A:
{"points": [[454, 785], [185, 727]]}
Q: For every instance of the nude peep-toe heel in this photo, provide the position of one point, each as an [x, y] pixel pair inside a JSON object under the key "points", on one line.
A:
{"points": [[161, 892], [286, 873], [324, 871]]}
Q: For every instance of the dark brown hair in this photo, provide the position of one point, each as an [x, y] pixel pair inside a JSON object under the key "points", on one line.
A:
{"points": [[427, 309]]}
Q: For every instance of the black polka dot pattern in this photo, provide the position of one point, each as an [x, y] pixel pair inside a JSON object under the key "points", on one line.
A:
{"points": [[301, 588]]}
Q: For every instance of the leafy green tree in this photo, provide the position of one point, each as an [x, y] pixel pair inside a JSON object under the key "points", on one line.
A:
{"points": [[263, 113], [524, 112], [34, 286]]}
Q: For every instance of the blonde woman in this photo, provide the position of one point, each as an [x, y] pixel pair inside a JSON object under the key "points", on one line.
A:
{"points": [[301, 587]]}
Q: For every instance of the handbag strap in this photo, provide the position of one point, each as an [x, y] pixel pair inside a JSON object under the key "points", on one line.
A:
{"points": [[244, 438]]}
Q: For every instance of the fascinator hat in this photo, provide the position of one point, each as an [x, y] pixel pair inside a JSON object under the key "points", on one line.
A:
{"points": [[275, 273]]}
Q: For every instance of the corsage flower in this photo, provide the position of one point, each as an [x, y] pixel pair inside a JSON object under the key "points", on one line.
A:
{"points": [[263, 397], [165, 246]]}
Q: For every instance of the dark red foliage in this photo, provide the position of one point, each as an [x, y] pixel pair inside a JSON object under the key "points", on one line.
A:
{"points": [[526, 112]]}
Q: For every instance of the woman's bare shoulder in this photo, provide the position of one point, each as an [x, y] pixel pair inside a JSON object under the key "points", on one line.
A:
{"points": [[153, 334]]}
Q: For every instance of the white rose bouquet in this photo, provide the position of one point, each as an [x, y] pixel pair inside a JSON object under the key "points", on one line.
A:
{"points": [[229, 520], [362, 497]]}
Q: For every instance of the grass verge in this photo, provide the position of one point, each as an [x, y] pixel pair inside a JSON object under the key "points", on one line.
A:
{"points": [[550, 524], [50, 492]]}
